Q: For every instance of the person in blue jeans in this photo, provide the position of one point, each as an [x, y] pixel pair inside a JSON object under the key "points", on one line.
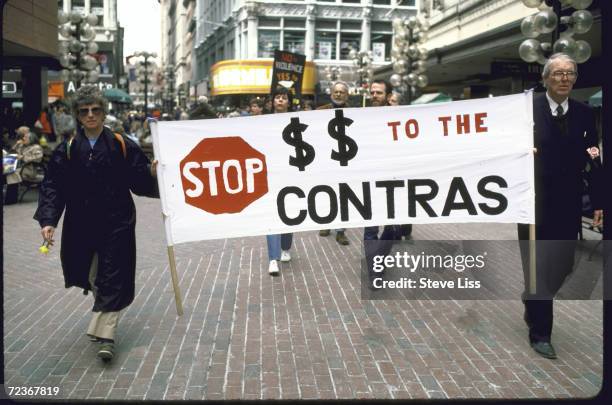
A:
{"points": [[279, 245], [380, 92]]}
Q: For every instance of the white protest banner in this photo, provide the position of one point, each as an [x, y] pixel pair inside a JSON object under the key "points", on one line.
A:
{"points": [[464, 161]]}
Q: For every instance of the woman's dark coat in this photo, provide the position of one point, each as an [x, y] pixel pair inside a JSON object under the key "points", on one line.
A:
{"points": [[93, 186]]}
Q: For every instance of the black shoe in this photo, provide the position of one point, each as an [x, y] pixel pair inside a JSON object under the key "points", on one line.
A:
{"points": [[93, 338], [324, 232], [107, 350], [371, 277], [342, 239], [544, 349]]}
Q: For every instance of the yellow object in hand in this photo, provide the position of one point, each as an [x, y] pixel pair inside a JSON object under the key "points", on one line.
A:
{"points": [[44, 248]]}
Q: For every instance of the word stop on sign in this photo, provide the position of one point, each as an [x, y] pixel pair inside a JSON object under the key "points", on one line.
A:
{"points": [[223, 175]]}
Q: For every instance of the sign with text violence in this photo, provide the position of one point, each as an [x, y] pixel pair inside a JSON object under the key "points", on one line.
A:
{"points": [[465, 161]]}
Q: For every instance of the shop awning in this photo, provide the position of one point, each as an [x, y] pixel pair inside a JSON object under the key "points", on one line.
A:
{"points": [[432, 98], [595, 99], [251, 77], [115, 95]]}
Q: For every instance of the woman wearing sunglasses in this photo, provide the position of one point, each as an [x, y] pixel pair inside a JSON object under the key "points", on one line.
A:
{"points": [[90, 177]]}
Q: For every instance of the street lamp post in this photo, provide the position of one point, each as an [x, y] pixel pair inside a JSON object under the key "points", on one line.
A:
{"points": [[362, 61], [169, 78], [144, 75], [78, 47], [409, 56], [548, 20]]}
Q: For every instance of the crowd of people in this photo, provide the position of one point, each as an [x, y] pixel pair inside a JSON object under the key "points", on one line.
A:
{"points": [[91, 174]]}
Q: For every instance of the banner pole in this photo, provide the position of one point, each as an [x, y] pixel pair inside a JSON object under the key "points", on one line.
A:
{"points": [[162, 197], [175, 284], [532, 259]]}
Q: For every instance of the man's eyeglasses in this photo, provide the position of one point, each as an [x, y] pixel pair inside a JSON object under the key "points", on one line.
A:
{"points": [[570, 75], [84, 112]]}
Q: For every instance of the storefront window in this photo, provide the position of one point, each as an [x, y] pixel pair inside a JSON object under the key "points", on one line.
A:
{"points": [[325, 45], [268, 41], [294, 41], [348, 41], [381, 47]]}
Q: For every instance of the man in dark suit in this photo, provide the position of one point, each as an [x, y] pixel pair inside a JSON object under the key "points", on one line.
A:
{"points": [[565, 142]]}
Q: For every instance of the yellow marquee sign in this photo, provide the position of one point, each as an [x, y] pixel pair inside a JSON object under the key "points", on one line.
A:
{"points": [[251, 77]]}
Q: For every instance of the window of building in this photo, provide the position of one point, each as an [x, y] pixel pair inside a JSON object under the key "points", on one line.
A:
{"points": [[351, 1], [406, 3], [325, 45], [98, 10], [293, 41], [293, 23], [269, 22], [348, 41], [350, 25], [381, 40], [381, 47], [382, 2], [268, 41], [78, 5]]}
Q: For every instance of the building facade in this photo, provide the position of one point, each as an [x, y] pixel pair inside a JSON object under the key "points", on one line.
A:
{"points": [[29, 41], [178, 26], [323, 30]]}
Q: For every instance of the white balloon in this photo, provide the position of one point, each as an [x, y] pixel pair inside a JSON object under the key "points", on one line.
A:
{"points": [[62, 18], [92, 19], [412, 79], [581, 4], [532, 3], [400, 66], [529, 50], [423, 53], [93, 76], [582, 52], [528, 28], [76, 17], [566, 46], [583, 21], [545, 21], [92, 47], [422, 81], [395, 80], [66, 31], [412, 22], [65, 75]]}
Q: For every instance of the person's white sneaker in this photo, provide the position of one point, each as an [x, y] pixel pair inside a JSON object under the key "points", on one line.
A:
{"points": [[273, 268], [285, 256]]}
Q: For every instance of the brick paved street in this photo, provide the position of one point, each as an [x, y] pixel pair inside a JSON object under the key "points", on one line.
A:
{"points": [[304, 334]]}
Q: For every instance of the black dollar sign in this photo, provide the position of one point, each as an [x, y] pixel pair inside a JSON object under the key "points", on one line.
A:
{"points": [[304, 152], [347, 147]]}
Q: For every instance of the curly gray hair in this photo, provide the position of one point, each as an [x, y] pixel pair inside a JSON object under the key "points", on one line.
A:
{"points": [[88, 94]]}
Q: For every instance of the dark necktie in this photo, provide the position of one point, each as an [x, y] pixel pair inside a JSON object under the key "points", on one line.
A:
{"points": [[559, 111]]}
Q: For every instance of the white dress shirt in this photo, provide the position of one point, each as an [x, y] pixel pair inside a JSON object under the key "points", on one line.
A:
{"points": [[553, 105]]}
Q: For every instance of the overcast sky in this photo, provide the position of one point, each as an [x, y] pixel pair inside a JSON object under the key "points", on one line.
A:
{"points": [[141, 21]]}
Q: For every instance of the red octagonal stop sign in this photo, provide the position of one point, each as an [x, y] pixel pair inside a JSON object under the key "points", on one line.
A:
{"points": [[223, 175]]}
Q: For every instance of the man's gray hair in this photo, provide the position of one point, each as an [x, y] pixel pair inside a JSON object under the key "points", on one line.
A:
{"points": [[554, 57], [341, 83], [88, 94]]}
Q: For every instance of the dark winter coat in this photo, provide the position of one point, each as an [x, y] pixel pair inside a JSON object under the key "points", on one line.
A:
{"points": [[93, 186], [559, 169], [560, 164]]}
